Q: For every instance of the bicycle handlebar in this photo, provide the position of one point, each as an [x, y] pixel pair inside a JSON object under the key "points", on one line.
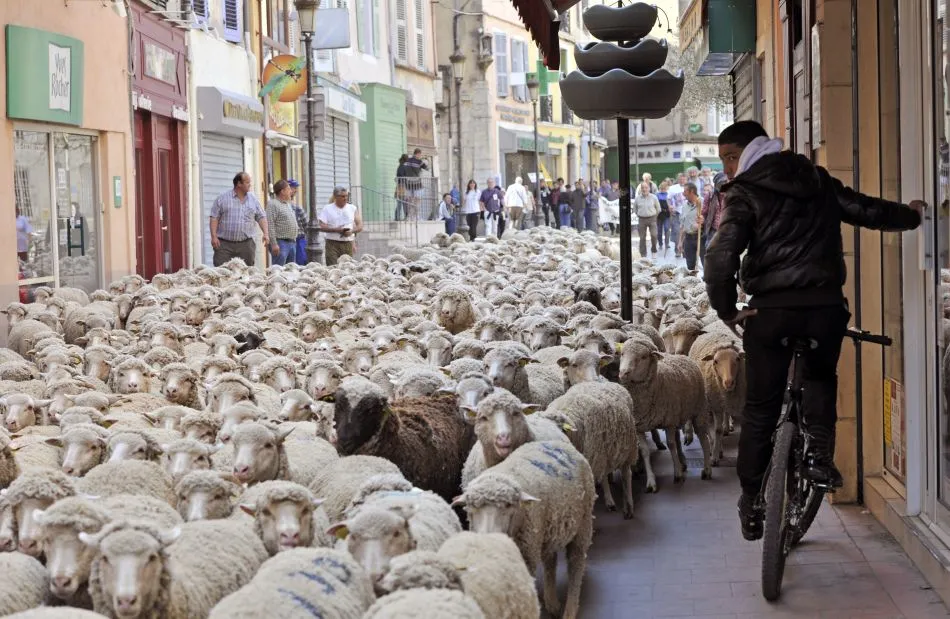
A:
{"points": [[866, 336]]}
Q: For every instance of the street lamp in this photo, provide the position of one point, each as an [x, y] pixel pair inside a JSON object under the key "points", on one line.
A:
{"points": [[307, 17], [458, 72], [534, 86]]}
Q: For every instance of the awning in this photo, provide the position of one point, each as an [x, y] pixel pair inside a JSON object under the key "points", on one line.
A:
{"points": [[541, 19], [282, 139]]}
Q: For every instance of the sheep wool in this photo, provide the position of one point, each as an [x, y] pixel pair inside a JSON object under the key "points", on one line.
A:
{"points": [[437, 604], [58, 612], [493, 573], [301, 584], [136, 477], [339, 481], [24, 583]]}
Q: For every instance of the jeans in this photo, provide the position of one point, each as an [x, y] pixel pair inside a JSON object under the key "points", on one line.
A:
{"points": [[690, 245], [674, 238], [766, 366], [577, 219], [472, 220], [644, 224], [300, 255], [287, 253], [450, 226], [663, 227]]}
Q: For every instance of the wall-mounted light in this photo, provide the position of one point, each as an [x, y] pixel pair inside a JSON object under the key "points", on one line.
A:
{"points": [[119, 7]]}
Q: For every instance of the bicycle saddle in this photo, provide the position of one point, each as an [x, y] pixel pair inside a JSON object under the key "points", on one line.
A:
{"points": [[800, 342]]}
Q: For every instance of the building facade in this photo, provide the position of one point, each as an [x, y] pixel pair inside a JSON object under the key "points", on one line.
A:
{"points": [[66, 147], [861, 88]]}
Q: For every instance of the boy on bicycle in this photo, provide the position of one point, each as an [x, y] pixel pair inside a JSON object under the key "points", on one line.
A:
{"points": [[787, 212]]}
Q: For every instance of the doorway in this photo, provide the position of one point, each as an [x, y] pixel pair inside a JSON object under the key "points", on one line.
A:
{"points": [[160, 222]]}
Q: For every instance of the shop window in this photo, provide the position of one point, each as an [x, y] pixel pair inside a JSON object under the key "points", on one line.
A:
{"points": [[56, 211], [501, 64]]}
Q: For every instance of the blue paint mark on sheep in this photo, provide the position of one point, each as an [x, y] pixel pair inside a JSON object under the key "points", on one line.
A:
{"points": [[303, 603], [334, 566], [563, 464], [328, 587], [559, 454]]}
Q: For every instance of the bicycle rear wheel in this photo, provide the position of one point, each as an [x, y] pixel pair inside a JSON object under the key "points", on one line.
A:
{"points": [[776, 501]]}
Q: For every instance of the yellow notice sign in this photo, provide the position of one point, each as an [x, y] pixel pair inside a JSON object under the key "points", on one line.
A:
{"points": [[887, 412]]}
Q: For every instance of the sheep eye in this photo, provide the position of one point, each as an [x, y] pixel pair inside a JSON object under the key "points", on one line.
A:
{"points": [[268, 445], [153, 558], [203, 459]]}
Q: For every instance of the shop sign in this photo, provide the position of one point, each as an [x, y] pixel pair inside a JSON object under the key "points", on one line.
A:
{"points": [[44, 76], [513, 114], [280, 117], [527, 143], [345, 103], [160, 64], [229, 113]]}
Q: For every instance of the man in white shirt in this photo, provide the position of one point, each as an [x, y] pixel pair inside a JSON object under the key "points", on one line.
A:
{"points": [[516, 199], [340, 221], [676, 200]]}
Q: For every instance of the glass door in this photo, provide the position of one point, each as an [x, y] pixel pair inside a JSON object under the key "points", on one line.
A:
{"points": [[36, 237], [77, 210], [164, 207]]}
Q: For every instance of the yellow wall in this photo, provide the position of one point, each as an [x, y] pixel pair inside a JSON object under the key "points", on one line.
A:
{"points": [[106, 109]]}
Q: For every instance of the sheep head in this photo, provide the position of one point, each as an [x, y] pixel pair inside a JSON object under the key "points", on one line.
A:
{"points": [[206, 495], [500, 424], [186, 455], [374, 536], [727, 363], [638, 361], [283, 516], [180, 383], [583, 366], [259, 452], [494, 503], [21, 410]]}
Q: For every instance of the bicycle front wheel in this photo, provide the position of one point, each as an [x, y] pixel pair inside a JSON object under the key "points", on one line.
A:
{"points": [[776, 501]]}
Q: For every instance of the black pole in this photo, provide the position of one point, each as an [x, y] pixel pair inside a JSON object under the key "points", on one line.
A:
{"points": [[313, 227], [463, 222], [626, 243], [537, 167]]}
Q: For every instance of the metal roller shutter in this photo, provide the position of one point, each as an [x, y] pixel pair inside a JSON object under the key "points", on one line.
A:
{"points": [[221, 158], [323, 160], [341, 152], [743, 89]]}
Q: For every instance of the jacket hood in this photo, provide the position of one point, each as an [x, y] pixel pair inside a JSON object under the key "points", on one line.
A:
{"points": [[785, 173]]}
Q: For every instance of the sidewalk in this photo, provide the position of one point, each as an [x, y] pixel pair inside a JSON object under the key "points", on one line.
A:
{"points": [[683, 556]]}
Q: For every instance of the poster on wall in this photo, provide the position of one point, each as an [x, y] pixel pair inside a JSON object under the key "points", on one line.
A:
{"points": [[815, 86], [895, 426]]}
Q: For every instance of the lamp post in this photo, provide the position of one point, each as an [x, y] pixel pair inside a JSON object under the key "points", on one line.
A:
{"points": [[458, 72], [534, 87], [307, 15]]}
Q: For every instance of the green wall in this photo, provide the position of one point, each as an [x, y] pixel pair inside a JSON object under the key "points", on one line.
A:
{"points": [[382, 141]]}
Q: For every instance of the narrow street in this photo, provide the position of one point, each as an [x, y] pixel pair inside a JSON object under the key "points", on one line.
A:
{"points": [[683, 556]]}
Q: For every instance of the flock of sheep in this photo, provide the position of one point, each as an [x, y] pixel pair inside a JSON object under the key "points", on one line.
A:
{"points": [[312, 441]]}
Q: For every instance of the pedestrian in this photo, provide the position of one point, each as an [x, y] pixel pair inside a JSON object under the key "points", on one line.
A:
{"points": [[283, 224], [647, 207], [23, 231], [300, 251], [340, 221], [402, 192], [472, 209], [783, 221], [414, 167], [675, 200], [578, 200], [231, 222], [564, 206], [490, 202], [691, 221], [613, 195], [516, 201], [713, 209], [447, 213], [556, 191], [546, 192], [503, 215], [663, 219]]}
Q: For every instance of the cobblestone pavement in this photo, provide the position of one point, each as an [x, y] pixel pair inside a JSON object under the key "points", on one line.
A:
{"points": [[683, 556]]}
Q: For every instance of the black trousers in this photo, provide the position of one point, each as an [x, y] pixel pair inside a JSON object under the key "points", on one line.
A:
{"points": [[689, 249], [547, 214], [766, 366], [472, 220]]}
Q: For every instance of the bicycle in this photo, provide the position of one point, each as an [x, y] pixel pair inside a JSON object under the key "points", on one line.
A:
{"points": [[791, 499]]}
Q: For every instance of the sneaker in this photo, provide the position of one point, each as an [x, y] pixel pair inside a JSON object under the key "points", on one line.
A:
{"points": [[751, 516], [820, 468]]}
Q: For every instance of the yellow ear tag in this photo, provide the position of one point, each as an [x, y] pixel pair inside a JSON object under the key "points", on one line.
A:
{"points": [[567, 427]]}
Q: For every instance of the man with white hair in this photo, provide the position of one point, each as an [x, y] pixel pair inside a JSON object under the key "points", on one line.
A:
{"points": [[516, 199]]}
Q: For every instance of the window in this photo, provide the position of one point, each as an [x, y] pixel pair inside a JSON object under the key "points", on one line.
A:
{"points": [[519, 67], [420, 34], [402, 31], [501, 64], [366, 26], [275, 26], [231, 18], [200, 9]]}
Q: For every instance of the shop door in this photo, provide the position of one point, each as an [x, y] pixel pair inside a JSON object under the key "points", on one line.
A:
{"points": [[140, 176], [221, 158]]}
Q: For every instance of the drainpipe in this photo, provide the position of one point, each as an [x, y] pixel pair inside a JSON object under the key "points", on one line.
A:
{"points": [[195, 230], [129, 186], [856, 156]]}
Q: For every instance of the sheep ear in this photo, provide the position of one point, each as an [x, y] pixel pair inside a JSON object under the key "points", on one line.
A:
{"points": [[283, 433], [42, 403], [656, 354], [339, 530], [605, 360], [469, 414], [708, 357], [317, 502], [459, 501], [166, 538], [107, 422], [152, 419], [88, 539], [563, 362], [527, 498], [55, 441], [445, 390], [446, 371], [742, 354], [618, 347], [523, 361], [529, 409], [248, 508]]}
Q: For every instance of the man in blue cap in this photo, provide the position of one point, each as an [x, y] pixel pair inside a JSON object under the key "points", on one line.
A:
{"points": [[301, 254]]}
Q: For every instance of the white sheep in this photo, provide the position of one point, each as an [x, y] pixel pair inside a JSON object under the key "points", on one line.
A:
{"points": [[263, 451], [340, 480], [196, 564], [287, 515], [24, 584], [531, 382], [300, 584], [722, 363], [542, 496]]}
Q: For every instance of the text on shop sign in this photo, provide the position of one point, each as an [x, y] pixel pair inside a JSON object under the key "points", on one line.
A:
{"points": [[60, 67]]}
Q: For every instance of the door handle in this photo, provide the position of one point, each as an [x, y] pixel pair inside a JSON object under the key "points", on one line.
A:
{"points": [[925, 240]]}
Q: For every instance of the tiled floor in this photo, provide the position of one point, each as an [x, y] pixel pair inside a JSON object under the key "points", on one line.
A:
{"points": [[683, 556]]}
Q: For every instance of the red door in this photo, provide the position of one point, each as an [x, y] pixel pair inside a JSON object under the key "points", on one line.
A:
{"points": [[161, 231]]}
